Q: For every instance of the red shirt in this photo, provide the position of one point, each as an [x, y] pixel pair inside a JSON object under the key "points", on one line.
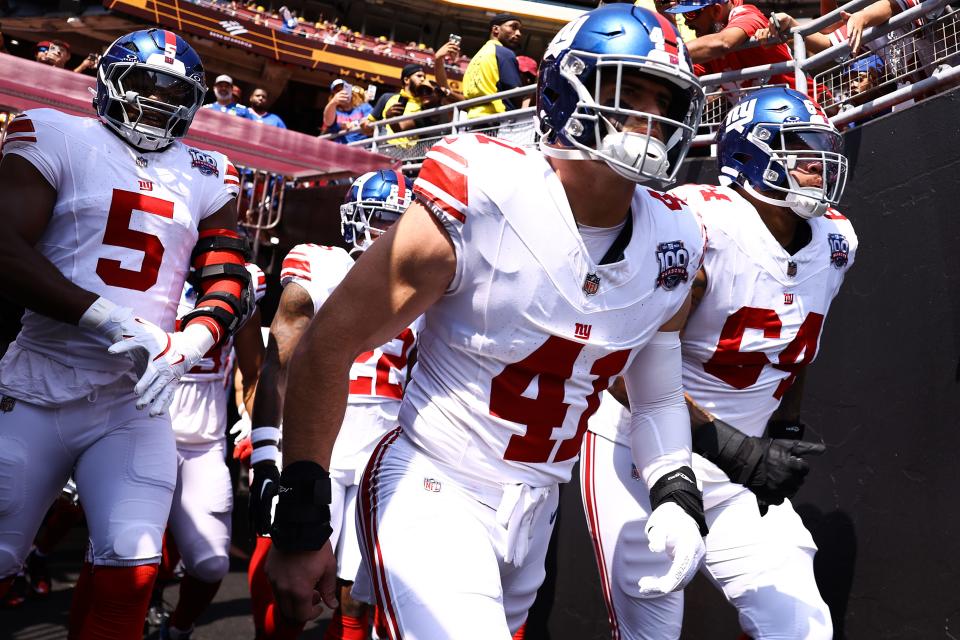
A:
{"points": [[749, 19]]}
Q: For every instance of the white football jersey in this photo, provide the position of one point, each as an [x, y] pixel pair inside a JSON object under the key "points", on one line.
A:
{"points": [[376, 376], [763, 310], [512, 360], [123, 226], [217, 364]]}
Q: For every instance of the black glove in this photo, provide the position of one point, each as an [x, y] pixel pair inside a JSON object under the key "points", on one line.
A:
{"points": [[266, 479], [773, 469]]}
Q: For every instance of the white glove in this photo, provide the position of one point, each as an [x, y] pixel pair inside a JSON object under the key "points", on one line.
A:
{"points": [[161, 357], [670, 529], [242, 427]]}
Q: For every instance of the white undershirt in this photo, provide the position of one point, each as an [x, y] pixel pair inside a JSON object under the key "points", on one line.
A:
{"points": [[599, 239]]}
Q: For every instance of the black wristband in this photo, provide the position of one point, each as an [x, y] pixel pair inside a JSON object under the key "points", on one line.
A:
{"points": [[727, 448], [680, 486], [302, 518]]}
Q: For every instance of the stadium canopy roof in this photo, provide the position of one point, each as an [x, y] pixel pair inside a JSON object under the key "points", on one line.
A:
{"points": [[25, 84], [524, 9]]}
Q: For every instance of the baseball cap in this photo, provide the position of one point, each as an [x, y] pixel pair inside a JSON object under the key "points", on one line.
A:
{"points": [[223, 78], [46, 44], [500, 18], [409, 70], [527, 64], [336, 83], [869, 63], [692, 5]]}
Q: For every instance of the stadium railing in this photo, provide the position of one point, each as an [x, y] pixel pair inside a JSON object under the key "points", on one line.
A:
{"points": [[910, 76]]}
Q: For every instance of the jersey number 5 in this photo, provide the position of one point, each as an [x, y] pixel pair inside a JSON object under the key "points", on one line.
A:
{"points": [[741, 369], [553, 362], [119, 234]]}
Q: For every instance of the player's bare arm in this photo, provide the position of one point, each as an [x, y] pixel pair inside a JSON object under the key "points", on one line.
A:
{"points": [[248, 344], [28, 277], [789, 409], [715, 45], [394, 281], [293, 315]]}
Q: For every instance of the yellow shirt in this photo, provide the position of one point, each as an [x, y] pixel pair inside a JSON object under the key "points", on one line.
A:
{"points": [[493, 69], [413, 106]]}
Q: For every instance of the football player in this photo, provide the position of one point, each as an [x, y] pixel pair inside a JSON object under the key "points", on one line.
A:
{"points": [[377, 378], [542, 276], [776, 255], [203, 500], [106, 216]]}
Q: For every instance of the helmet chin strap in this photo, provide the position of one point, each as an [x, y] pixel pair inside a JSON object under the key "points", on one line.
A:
{"points": [[805, 206], [564, 153]]}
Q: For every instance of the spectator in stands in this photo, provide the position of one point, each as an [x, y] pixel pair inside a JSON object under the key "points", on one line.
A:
{"points": [[89, 63], [494, 68], [55, 53], [258, 109], [661, 6], [721, 27], [449, 53], [345, 112], [407, 102], [225, 101]]}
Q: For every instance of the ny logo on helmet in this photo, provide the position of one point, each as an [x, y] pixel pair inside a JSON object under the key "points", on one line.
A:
{"points": [[673, 259]]}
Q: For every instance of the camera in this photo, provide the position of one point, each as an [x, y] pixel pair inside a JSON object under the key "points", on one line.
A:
{"points": [[455, 39]]}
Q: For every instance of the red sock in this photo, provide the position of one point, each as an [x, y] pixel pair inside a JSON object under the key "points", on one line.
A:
{"points": [[520, 632], [343, 627], [80, 603], [195, 597], [119, 598], [170, 558], [266, 618], [63, 516]]}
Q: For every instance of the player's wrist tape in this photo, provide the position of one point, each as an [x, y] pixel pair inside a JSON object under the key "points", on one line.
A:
{"points": [[266, 445], [301, 521], [731, 450], [786, 429], [680, 486]]}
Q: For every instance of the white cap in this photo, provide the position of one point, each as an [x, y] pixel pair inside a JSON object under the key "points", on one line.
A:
{"points": [[223, 78]]}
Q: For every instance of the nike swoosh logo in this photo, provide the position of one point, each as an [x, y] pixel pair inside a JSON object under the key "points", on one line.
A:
{"points": [[263, 489]]}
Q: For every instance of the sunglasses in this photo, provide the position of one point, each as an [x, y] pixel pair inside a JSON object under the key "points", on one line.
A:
{"points": [[692, 15]]}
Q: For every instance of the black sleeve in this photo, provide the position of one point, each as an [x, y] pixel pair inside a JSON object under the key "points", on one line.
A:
{"points": [[380, 105], [509, 70]]}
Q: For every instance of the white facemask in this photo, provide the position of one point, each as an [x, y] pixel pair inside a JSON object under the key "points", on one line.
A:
{"points": [[636, 150]]}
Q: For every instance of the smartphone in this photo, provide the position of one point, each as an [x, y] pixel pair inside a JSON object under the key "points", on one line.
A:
{"points": [[402, 101], [371, 93], [455, 39], [347, 87]]}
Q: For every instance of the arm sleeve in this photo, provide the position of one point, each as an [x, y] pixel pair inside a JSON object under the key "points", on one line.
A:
{"points": [[659, 429], [259, 279], [318, 269], [31, 138]]}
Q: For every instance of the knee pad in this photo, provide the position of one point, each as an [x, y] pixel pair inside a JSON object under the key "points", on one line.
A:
{"points": [[210, 569], [134, 543]]}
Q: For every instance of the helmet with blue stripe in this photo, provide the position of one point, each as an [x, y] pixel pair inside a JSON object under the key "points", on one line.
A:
{"points": [[779, 146], [373, 203], [150, 84], [580, 118]]}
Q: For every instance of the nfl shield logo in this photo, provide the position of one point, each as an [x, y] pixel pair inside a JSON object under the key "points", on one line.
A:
{"points": [[7, 404], [591, 284]]}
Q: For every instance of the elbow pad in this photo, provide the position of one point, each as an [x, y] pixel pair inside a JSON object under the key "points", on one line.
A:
{"points": [[225, 283]]}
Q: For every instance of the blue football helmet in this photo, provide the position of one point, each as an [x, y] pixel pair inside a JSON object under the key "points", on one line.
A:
{"points": [[774, 137], [373, 203], [613, 46], [150, 84]]}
